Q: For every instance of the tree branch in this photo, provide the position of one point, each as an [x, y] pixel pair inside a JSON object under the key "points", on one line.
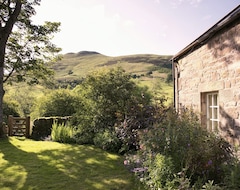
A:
{"points": [[9, 75], [12, 19]]}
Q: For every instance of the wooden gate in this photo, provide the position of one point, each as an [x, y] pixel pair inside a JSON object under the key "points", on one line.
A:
{"points": [[18, 126]]}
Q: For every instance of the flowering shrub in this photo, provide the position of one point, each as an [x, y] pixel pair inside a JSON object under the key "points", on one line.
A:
{"points": [[137, 121], [200, 155]]}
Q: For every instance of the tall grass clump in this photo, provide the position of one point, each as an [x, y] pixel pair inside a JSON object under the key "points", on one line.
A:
{"points": [[62, 133]]}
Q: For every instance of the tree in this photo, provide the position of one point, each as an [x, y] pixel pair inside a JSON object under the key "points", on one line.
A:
{"points": [[24, 47], [61, 102], [108, 97]]}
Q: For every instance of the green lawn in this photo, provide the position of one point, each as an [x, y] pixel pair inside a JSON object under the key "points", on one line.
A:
{"points": [[27, 164]]}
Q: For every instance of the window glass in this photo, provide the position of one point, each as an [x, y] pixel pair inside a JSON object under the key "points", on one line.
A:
{"points": [[212, 111], [215, 113], [215, 102], [210, 99]]}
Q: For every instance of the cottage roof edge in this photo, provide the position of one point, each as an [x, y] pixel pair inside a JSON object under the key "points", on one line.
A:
{"points": [[230, 17]]}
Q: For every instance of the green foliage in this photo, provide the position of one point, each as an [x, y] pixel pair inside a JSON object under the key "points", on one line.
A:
{"points": [[28, 47], [30, 65], [83, 135], [63, 133], [10, 108], [108, 96], [232, 173], [67, 84], [201, 155], [164, 70], [60, 102], [211, 186], [138, 120], [107, 140], [24, 98], [160, 171], [169, 78], [180, 181]]}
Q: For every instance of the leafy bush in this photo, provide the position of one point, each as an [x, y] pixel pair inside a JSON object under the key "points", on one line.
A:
{"points": [[232, 173], [106, 94], [160, 171], [191, 148], [84, 135], [108, 97], [10, 108], [139, 119], [107, 140], [60, 102], [62, 133]]}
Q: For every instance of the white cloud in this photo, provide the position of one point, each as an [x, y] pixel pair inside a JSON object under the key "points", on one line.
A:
{"points": [[176, 3], [195, 3]]}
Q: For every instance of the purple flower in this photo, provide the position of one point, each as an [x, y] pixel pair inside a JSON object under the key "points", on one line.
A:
{"points": [[210, 162]]}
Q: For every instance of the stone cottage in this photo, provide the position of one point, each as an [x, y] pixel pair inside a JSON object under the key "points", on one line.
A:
{"points": [[207, 77]]}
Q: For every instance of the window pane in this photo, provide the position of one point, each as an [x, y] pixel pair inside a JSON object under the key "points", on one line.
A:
{"points": [[215, 113], [210, 113], [215, 103], [210, 100]]}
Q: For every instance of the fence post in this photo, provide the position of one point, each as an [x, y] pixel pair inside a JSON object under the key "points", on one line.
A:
{"points": [[27, 126], [10, 128]]}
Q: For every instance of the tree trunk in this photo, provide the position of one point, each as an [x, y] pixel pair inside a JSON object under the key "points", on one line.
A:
{"points": [[5, 31], [1, 91], [1, 105]]}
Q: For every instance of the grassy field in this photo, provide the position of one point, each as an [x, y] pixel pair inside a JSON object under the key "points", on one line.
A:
{"points": [[38, 165]]}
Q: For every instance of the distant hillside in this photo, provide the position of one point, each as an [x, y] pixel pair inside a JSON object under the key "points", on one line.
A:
{"points": [[146, 69], [78, 65]]}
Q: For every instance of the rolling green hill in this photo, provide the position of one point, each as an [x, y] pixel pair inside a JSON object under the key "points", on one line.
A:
{"points": [[146, 69], [75, 65]]}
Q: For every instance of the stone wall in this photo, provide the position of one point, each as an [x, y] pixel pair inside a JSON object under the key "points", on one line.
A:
{"points": [[214, 66]]}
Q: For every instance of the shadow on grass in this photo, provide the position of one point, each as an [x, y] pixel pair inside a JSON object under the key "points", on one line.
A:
{"points": [[61, 167]]}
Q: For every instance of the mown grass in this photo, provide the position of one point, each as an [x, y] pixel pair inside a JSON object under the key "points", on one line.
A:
{"points": [[38, 165]]}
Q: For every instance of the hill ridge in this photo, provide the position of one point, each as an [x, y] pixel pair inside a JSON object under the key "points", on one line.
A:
{"points": [[77, 65]]}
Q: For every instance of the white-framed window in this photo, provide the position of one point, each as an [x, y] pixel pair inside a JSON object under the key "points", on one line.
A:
{"points": [[212, 111]]}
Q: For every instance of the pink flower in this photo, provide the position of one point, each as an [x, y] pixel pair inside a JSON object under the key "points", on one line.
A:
{"points": [[126, 162]]}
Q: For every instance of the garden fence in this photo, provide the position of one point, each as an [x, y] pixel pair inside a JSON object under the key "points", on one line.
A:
{"points": [[18, 126]]}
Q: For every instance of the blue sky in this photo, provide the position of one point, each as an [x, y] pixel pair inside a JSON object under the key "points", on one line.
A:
{"points": [[125, 27]]}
